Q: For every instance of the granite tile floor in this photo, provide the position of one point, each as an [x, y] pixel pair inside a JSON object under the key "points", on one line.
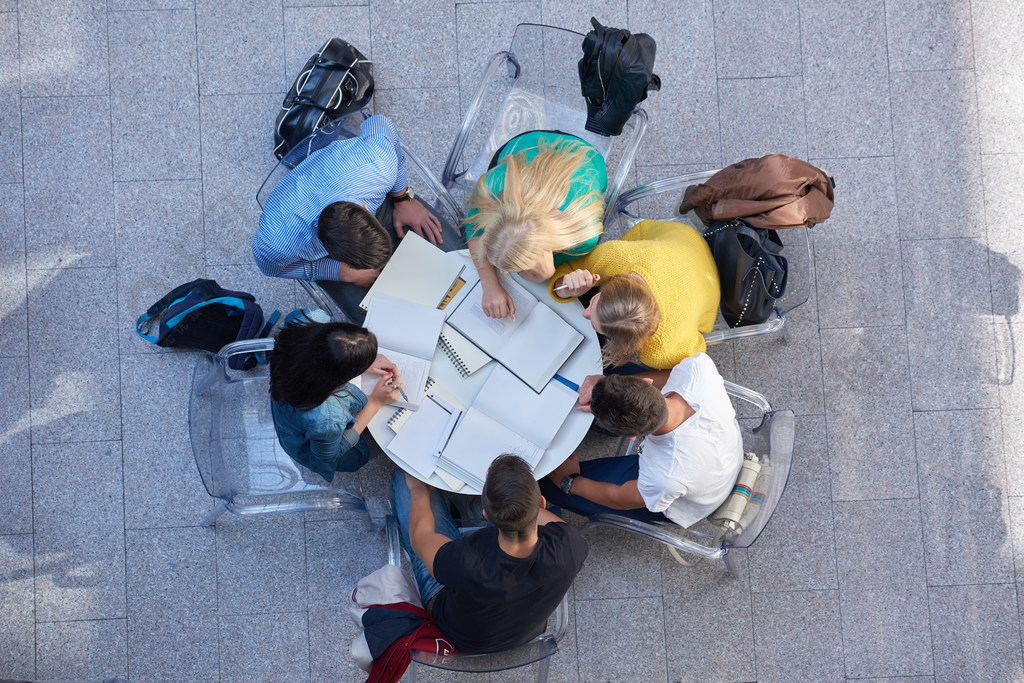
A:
{"points": [[133, 137]]}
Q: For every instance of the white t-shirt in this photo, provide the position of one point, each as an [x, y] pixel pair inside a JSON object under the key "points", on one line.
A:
{"points": [[688, 472]]}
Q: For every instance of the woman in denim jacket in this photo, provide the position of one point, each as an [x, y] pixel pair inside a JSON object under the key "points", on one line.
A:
{"points": [[319, 415]]}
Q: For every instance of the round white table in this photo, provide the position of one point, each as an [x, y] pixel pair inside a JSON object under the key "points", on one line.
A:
{"points": [[585, 360]]}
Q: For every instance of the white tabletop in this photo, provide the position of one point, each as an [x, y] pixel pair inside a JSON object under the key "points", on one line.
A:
{"points": [[585, 360]]}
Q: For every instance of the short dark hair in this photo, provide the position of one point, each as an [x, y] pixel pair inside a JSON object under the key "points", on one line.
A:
{"points": [[627, 406], [511, 496], [311, 360], [352, 235]]}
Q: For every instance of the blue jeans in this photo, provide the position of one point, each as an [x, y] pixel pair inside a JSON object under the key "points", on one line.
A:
{"points": [[615, 470], [444, 524]]}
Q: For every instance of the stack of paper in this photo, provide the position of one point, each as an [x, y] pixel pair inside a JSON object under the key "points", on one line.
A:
{"points": [[407, 334], [425, 434], [418, 272], [533, 345], [506, 417]]}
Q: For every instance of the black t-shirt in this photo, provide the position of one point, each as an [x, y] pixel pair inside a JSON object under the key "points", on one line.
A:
{"points": [[492, 601]]}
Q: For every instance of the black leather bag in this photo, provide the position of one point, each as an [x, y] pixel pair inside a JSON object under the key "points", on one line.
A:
{"points": [[751, 270], [335, 81]]}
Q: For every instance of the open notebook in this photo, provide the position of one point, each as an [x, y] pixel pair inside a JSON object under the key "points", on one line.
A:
{"points": [[466, 356], [418, 272], [407, 334], [506, 417], [533, 345]]}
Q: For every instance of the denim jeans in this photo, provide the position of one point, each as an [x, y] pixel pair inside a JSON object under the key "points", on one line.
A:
{"points": [[614, 470], [348, 295], [444, 524]]}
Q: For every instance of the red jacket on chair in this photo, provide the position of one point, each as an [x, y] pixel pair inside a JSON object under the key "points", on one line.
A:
{"points": [[774, 191]]}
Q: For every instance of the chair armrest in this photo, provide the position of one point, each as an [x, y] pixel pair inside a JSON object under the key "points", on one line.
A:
{"points": [[749, 395], [654, 532], [534, 651], [675, 183], [625, 165], [769, 326], [246, 346], [448, 176], [323, 302]]}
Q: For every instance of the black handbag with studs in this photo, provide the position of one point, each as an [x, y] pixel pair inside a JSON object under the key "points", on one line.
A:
{"points": [[751, 270]]}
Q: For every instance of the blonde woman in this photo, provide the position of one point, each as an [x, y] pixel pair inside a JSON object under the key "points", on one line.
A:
{"points": [[541, 204], [659, 293]]}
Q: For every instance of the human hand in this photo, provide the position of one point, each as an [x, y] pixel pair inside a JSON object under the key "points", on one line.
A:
{"points": [[496, 302], [570, 466], [577, 282], [413, 214], [364, 277], [386, 390], [585, 391], [382, 366]]}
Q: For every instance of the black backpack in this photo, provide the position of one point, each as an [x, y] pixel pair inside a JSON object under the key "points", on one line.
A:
{"points": [[202, 315], [335, 81], [616, 72]]}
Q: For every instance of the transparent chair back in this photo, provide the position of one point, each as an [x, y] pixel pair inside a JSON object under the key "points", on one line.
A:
{"points": [[539, 650], [771, 443], [659, 200], [428, 188], [240, 460], [534, 85]]}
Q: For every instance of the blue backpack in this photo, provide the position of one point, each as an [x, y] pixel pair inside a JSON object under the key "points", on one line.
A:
{"points": [[202, 315]]}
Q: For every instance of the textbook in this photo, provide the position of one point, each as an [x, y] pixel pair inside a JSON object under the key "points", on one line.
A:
{"points": [[464, 354], [533, 345], [418, 272], [407, 334], [506, 417]]}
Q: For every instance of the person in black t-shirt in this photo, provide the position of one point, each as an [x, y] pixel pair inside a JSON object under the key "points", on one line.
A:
{"points": [[495, 588]]}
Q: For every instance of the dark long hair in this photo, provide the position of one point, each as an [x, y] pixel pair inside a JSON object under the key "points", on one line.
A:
{"points": [[311, 361]]}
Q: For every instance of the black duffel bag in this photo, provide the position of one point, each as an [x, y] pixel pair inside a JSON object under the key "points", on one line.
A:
{"points": [[751, 270], [335, 81]]}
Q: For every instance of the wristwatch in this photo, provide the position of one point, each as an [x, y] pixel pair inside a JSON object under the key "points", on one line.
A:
{"points": [[406, 195], [567, 483]]}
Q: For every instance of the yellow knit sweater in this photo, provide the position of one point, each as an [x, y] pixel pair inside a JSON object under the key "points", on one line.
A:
{"points": [[677, 265]]}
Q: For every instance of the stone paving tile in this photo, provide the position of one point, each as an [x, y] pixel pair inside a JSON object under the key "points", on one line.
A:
{"points": [[1004, 198], [15, 448], [74, 389], [762, 116], [599, 622], [331, 632], [10, 103], [886, 632], [620, 565], [68, 216], [13, 281], [868, 534], [935, 124], [960, 460], [867, 187], [228, 29], [428, 133], [1011, 398], [848, 114], [17, 618], [797, 635], [306, 29], [260, 565], [483, 30], [861, 283], [867, 406], [996, 25], [976, 629], [684, 114], [125, 5], [161, 649], [756, 39], [66, 44], [82, 650], [929, 35], [78, 513], [999, 111], [264, 647], [338, 554], [576, 15], [435, 63], [843, 36]]}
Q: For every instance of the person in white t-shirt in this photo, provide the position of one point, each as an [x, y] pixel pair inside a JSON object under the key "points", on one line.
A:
{"points": [[686, 465]]}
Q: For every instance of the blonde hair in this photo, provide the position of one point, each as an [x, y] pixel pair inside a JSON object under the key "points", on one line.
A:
{"points": [[523, 221], [628, 314]]}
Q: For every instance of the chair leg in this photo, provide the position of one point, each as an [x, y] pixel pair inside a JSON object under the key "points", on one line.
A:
{"points": [[682, 560], [542, 669], [216, 512]]}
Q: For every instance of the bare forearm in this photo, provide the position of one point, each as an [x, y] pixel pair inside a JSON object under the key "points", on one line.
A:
{"points": [[421, 520], [616, 496], [658, 377]]}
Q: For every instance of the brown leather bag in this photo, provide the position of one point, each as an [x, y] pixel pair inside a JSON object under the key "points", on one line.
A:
{"points": [[774, 191]]}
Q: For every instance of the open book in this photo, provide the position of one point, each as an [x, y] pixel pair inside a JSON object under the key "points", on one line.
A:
{"points": [[464, 354], [506, 417], [533, 345], [418, 272], [407, 334]]}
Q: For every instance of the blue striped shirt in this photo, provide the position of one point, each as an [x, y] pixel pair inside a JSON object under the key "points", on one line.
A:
{"points": [[360, 170]]}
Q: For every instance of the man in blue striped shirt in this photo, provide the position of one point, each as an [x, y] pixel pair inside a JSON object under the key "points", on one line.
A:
{"points": [[319, 222]]}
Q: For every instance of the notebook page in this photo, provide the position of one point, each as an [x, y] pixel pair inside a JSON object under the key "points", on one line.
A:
{"points": [[479, 439], [539, 347], [537, 417], [490, 333], [418, 272], [424, 434], [412, 371], [404, 326]]}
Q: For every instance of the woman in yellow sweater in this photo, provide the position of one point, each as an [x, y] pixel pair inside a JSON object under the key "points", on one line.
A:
{"points": [[659, 293]]}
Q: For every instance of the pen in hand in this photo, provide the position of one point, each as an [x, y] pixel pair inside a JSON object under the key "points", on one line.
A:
{"points": [[391, 382]]}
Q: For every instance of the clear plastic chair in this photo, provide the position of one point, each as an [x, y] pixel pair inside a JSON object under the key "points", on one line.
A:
{"points": [[428, 188], [744, 515], [534, 85], [235, 444], [659, 200], [539, 650]]}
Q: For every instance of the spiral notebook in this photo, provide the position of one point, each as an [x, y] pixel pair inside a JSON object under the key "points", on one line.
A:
{"points": [[396, 421], [466, 356]]}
